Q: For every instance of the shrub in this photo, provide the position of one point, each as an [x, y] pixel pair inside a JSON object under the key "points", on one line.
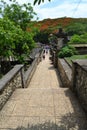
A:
{"points": [[79, 39], [75, 39], [67, 51]]}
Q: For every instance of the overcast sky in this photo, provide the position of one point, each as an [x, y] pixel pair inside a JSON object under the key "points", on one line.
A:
{"points": [[59, 8]]}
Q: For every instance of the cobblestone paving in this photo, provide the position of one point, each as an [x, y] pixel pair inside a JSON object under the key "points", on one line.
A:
{"points": [[44, 105]]}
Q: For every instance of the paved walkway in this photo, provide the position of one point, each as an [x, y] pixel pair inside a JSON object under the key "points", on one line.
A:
{"points": [[43, 105]]}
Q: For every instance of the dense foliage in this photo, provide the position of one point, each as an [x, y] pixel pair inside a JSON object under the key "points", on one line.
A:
{"points": [[70, 25], [42, 36], [15, 41], [19, 14], [76, 28], [7, 35], [79, 39], [67, 51]]}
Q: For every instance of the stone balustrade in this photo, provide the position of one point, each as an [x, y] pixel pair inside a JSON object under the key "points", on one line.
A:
{"points": [[65, 72], [79, 81], [29, 73], [75, 77], [16, 78], [12, 80]]}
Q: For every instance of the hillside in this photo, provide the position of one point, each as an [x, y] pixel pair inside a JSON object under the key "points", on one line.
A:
{"points": [[52, 25]]}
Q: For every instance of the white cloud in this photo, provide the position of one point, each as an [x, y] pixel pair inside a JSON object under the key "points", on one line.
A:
{"points": [[81, 11], [60, 9], [65, 9]]}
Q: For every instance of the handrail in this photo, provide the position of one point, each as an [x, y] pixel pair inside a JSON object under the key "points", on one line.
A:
{"points": [[9, 76]]}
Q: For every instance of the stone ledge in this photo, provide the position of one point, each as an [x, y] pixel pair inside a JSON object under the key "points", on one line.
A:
{"points": [[9, 76], [79, 81], [65, 72], [16, 78], [29, 73], [11, 81]]}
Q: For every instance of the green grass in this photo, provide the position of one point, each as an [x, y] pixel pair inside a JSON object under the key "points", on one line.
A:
{"points": [[75, 57]]}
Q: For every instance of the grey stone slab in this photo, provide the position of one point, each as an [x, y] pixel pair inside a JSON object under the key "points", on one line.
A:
{"points": [[19, 110], [8, 108], [30, 121], [4, 122], [47, 119], [15, 122], [61, 111], [42, 123], [40, 111]]}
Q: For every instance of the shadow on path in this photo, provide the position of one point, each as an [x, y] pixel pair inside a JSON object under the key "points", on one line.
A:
{"points": [[58, 75], [67, 122]]}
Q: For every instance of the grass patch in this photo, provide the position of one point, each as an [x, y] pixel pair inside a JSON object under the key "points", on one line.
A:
{"points": [[75, 57]]}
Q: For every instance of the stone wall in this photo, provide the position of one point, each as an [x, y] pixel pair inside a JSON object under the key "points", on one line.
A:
{"points": [[29, 73], [16, 78], [65, 72], [75, 78], [11, 81], [81, 48], [79, 81]]}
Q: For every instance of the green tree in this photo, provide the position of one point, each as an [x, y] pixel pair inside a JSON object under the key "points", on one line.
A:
{"points": [[17, 17], [20, 14], [6, 43], [6, 37], [23, 45], [42, 36], [79, 39], [15, 41], [76, 28]]}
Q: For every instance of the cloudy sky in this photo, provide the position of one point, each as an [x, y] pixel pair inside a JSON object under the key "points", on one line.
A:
{"points": [[59, 8]]}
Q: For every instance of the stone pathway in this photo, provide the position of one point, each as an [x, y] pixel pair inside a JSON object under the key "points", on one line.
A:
{"points": [[44, 105]]}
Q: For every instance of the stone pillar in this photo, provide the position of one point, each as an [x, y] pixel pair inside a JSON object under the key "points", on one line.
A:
{"points": [[22, 78], [55, 59], [73, 80]]}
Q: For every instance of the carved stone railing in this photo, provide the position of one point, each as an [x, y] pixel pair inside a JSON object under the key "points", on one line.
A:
{"points": [[29, 73], [16, 78], [79, 81], [12, 80], [65, 72]]}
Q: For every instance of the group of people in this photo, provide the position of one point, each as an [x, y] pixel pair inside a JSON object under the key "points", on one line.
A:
{"points": [[57, 40], [45, 51]]}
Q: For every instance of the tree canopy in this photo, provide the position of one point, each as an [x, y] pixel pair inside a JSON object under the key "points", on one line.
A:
{"points": [[19, 14], [77, 28], [15, 41]]}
